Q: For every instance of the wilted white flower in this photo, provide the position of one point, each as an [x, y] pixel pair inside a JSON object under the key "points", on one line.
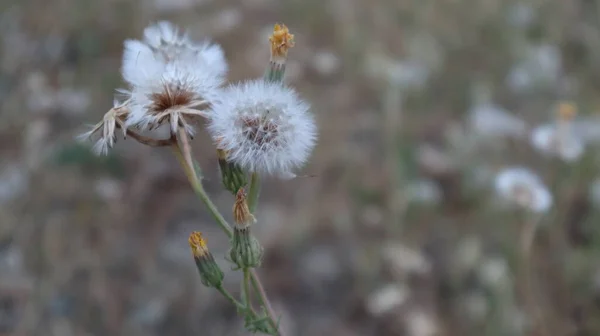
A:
{"points": [[114, 118], [552, 140], [173, 80], [524, 188], [263, 126]]}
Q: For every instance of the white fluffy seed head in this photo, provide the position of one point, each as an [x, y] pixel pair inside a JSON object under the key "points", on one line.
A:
{"points": [[163, 44], [170, 73], [524, 188], [263, 126]]}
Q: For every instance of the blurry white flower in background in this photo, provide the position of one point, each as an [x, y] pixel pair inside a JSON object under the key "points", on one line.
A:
{"points": [[494, 273], [263, 126], [420, 323], [423, 191], [559, 139], [540, 66], [551, 140], [587, 128], [173, 79], [13, 182], [490, 120], [521, 15], [424, 57], [523, 188], [387, 298]]}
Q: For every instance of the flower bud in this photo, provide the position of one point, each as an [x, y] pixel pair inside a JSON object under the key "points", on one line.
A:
{"points": [[245, 251], [210, 273], [232, 175], [281, 41]]}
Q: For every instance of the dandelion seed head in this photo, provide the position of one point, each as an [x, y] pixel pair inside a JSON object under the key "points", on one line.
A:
{"points": [[164, 46], [173, 78], [263, 126], [524, 188]]}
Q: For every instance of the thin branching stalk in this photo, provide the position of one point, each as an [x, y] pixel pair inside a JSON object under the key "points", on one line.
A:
{"points": [[264, 300], [150, 141], [182, 151], [228, 296]]}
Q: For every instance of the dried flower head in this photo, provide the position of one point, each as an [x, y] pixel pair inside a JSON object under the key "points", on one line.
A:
{"points": [[173, 80], [241, 213], [522, 187], [114, 118], [263, 126], [281, 41]]}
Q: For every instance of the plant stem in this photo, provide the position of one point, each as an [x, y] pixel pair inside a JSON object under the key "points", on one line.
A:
{"points": [[246, 289], [254, 192], [150, 141], [188, 166], [226, 294], [527, 238], [264, 300], [183, 154]]}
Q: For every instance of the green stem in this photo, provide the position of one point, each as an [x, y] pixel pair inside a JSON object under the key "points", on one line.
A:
{"points": [[254, 192], [264, 300], [183, 154], [246, 290], [228, 296], [201, 193]]}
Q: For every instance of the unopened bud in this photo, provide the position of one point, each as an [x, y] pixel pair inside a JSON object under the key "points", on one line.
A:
{"points": [[232, 175], [245, 251], [210, 272]]}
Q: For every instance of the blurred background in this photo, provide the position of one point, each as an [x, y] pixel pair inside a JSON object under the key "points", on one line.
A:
{"points": [[400, 232]]}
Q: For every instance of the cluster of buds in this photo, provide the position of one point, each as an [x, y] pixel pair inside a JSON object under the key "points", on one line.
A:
{"points": [[210, 273], [246, 251]]}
